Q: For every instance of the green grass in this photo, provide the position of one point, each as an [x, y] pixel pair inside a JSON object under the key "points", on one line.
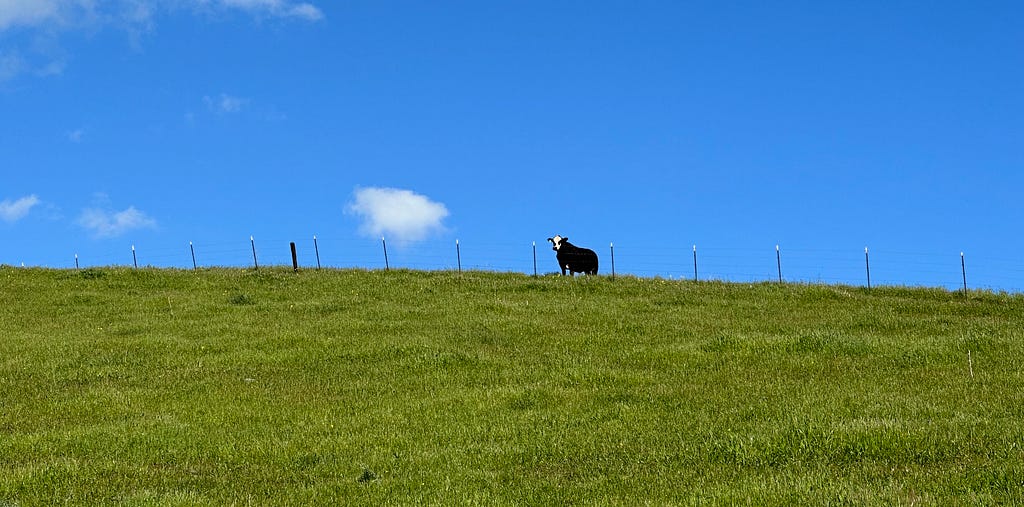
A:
{"points": [[229, 386]]}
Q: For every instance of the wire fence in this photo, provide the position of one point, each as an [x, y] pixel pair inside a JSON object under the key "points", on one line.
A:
{"points": [[855, 267]]}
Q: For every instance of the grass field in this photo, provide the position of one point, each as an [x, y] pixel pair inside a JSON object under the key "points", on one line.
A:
{"points": [[238, 387]]}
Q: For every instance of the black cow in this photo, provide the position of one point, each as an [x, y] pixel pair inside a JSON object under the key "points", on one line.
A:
{"points": [[572, 258]]}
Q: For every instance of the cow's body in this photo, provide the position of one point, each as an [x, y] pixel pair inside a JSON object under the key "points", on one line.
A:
{"points": [[573, 259]]}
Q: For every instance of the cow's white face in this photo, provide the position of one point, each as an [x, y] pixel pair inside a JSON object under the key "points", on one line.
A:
{"points": [[556, 242]]}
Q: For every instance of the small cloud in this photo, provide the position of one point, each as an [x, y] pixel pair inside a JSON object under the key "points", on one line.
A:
{"points": [[225, 104], [109, 224], [404, 215], [305, 11], [12, 211], [27, 12], [11, 64], [76, 135], [54, 67], [278, 8], [41, 54], [42, 61], [89, 14]]}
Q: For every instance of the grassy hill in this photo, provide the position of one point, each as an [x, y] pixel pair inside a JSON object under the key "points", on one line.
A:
{"points": [[229, 386]]}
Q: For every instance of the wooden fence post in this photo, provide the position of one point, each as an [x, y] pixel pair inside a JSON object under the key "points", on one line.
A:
{"points": [[295, 259]]}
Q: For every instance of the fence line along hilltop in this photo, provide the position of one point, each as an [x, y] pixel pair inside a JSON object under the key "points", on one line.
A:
{"points": [[856, 267]]}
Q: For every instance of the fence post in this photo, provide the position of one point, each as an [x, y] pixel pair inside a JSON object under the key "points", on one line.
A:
{"points": [[867, 266], [612, 247], [295, 259], [76, 262], [135, 260], [778, 260], [695, 263], [458, 255], [316, 248], [255, 263], [963, 271], [535, 258], [385, 244], [193, 250]]}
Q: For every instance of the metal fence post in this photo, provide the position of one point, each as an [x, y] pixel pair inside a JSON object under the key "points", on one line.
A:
{"points": [[695, 263], [778, 260], [316, 248], [612, 247], [963, 271], [867, 266], [534, 258], [255, 263]]}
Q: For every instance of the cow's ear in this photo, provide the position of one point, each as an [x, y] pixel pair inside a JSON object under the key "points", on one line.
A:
{"points": [[565, 238], [551, 240]]}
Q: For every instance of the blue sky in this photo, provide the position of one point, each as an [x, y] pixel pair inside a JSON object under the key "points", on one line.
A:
{"points": [[821, 127]]}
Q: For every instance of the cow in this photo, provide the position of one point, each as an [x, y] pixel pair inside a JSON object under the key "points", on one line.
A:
{"points": [[572, 258]]}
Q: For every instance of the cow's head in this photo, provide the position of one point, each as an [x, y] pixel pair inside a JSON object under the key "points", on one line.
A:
{"points": [[556, 242]]}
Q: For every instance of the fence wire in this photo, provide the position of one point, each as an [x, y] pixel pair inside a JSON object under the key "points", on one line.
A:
{"points": [[817, 265]]}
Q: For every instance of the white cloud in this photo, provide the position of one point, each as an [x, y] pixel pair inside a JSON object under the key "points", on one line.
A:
{"points": [[11, 64], [225, 104], [279, 8], [403, 215], [12, 211], [76, 135], [40, 63], [40, 53], [64, 14], [109, 224], [307, 11], [28, 12]]}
